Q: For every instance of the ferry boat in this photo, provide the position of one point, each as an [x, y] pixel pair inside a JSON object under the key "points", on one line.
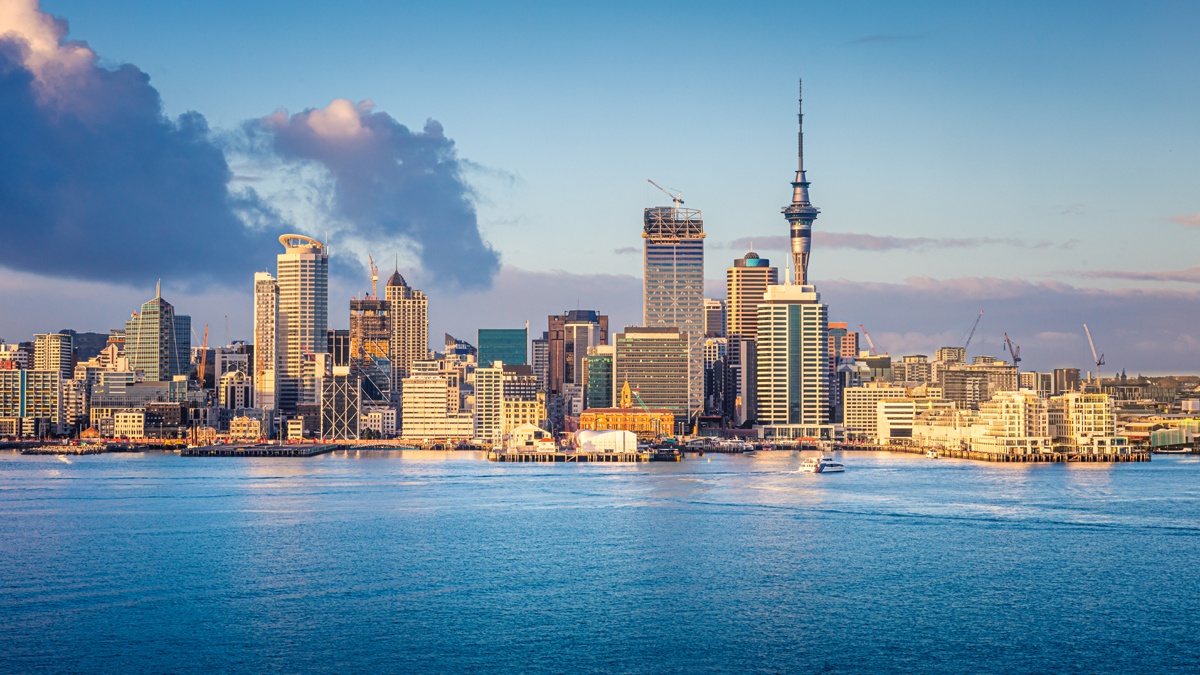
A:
{"points": [[822, 465], [932, 454]]}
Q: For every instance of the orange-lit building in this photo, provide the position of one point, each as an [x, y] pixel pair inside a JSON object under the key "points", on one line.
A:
{"points": [[647, 424]]}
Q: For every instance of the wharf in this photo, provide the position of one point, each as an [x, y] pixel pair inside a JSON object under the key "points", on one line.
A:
{"points": [[257, 450], [65, 450], [1041, 457], [543, 456]]}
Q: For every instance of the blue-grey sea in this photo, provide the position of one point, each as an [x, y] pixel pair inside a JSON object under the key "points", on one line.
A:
{"points": [[431, 562]]}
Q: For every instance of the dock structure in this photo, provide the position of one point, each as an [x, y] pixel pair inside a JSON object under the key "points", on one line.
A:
{"points": [[1040, 457], [65, 450], [559, 456], [306, 450]]}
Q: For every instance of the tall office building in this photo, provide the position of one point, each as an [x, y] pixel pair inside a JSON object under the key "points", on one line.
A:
{"points": [[504, 344], [745, 284], [303, 322], [54, 351], [800, 214], [408, 312], [569, 337], [598, 377], [267, 340], [714, 317], [654, 362], [540, 357], [793, 371], [673, 286], [157, 341]]}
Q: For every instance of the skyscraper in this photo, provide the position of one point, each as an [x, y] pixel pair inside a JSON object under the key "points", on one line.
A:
{"points": [[673, 286], [745, 284], [266, 340], [508, 345], [408, 312], [793, 370], [654, 362], [303, 277], [714, 317], [157, 341], [569, 336], [800, 213]]}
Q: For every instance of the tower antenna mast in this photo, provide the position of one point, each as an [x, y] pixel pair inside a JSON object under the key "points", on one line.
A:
{"points": [[800, 214]]}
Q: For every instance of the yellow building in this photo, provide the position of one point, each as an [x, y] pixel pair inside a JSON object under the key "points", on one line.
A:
{"points": [[647, 424]]}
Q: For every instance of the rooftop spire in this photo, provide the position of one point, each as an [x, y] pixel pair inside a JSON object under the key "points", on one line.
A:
{"points": [[800, 121], [158, 289]]}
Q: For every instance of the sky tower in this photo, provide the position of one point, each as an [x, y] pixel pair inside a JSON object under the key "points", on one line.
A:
{"points": [[800, 213]]}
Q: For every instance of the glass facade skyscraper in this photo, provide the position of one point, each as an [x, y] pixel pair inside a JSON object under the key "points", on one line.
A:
{"points": [[158, 342], [503, 344], [673, 286]]}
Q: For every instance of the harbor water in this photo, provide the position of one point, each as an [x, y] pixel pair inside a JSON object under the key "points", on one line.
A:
{"points": [[409, 561]]}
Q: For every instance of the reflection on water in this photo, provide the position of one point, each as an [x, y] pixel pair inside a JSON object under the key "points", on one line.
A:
{"points": [[409, 560]]}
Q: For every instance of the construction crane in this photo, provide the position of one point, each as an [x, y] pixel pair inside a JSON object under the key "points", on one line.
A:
{"points": [[1098, 359], [203, 357], [970, 335], [1014, 351], [677, 198], [374, 276], [658, 434], [870, 343]]}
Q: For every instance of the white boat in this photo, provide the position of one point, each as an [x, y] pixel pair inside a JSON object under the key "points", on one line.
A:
{"points": [[932, 454], [822, 465]]}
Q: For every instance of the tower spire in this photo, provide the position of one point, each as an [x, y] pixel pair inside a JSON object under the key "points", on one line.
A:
{"points": [[800, 214]]}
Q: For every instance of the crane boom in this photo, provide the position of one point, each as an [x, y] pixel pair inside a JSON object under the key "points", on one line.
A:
{"points": [[1098, 359], [203, 357], [1013, 351], [869, 342], [374, 275], [973, 327], [676, 198]]}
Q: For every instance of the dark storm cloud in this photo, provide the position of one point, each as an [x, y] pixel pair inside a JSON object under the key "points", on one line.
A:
{"points": [[97, 183], [391, 183]]}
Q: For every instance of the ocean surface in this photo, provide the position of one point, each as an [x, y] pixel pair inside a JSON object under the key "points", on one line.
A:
{"points": [[431, 562]]}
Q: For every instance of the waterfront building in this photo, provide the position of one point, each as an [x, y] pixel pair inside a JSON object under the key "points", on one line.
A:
{"points": [[425, 413], [568, 339], [245, 428], [895, 417], [158, 342], [341, 403], [714, 317], [303, 319], [793, 375], [1013, 423], [267, 340], [508, 345], [489, 401], [1085, 423], [648, 424], [33, 395], [129, 424], [860, 414], [53, 351], [673, 287], [654, 364], [380, 420], [598, 377], [523, 402]]}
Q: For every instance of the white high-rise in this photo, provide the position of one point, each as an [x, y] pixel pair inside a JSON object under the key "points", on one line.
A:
{"points": [[793, 369], [303, 317], [266, 339], [408, 310]]}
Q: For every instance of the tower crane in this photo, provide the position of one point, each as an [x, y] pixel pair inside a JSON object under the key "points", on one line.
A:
{"points": [[870, 343], [203, 357], [1098, 359], [677, 198], [374, 275], [972, 333], [1014, 351]]}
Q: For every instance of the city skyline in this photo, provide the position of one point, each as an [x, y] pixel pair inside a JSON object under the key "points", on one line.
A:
{"points": [[912, 277]]}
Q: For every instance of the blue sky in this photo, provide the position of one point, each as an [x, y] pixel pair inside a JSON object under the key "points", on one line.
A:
{"points": [[1012, 155]]}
